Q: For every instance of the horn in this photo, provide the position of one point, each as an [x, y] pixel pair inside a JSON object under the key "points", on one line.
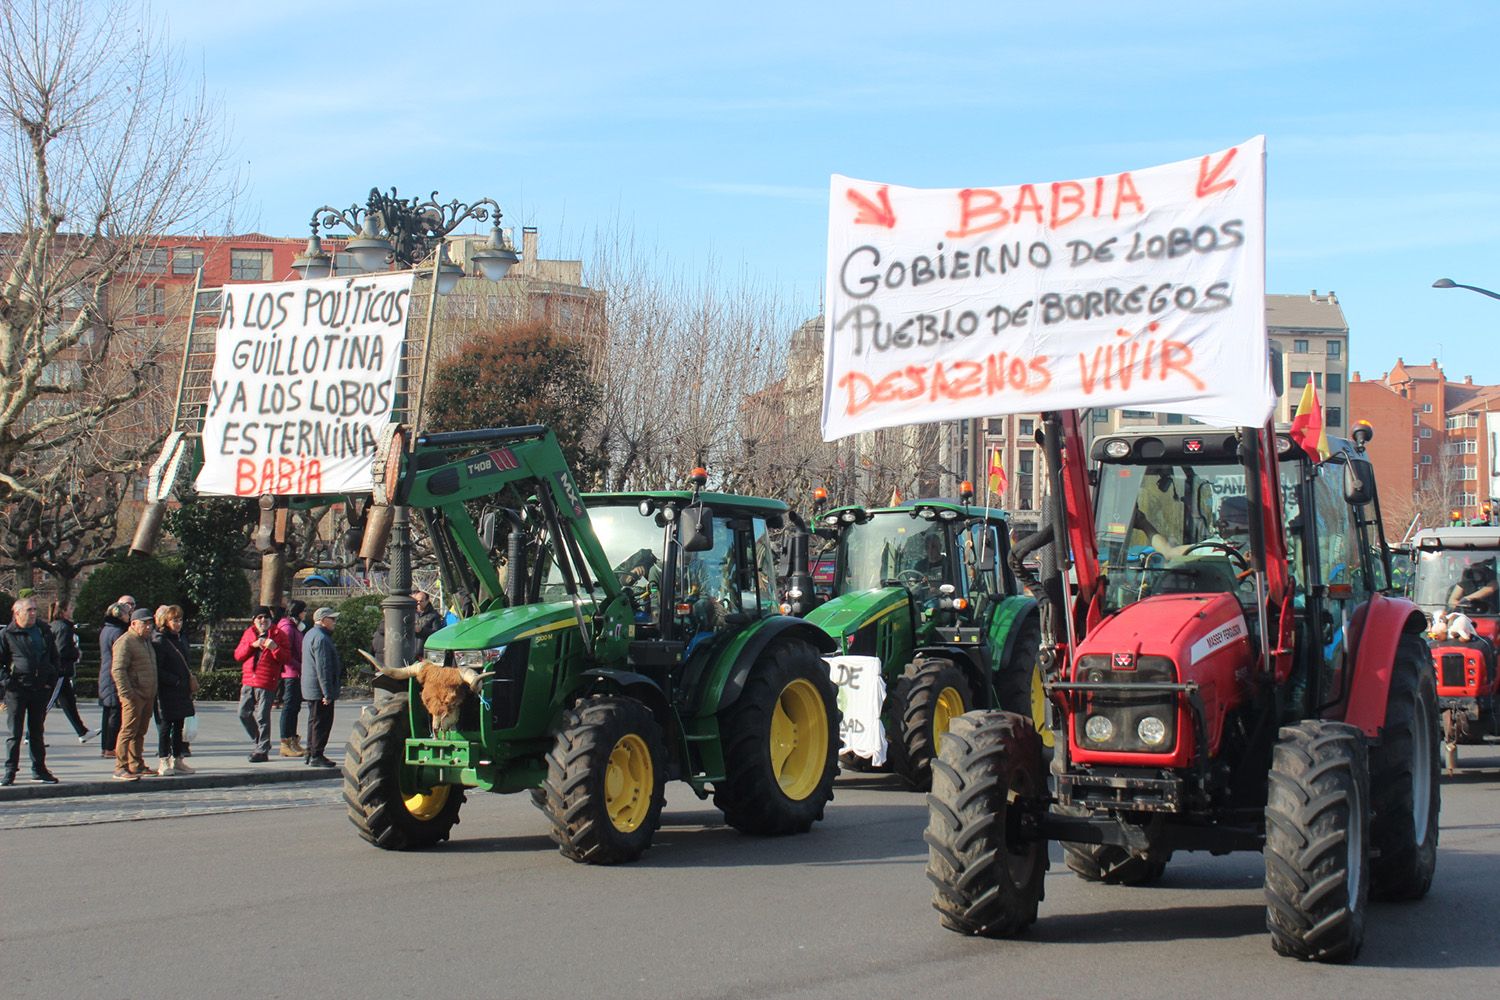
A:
{"points": [[473, 678], [400, 673]]}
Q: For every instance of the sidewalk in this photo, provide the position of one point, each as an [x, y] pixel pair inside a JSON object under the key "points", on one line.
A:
{"points": [[220, 757]]}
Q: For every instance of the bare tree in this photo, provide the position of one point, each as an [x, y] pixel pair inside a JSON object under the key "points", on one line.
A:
{"points": [[104, 146]]}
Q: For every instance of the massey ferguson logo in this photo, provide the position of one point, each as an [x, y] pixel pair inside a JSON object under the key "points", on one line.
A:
{"points": [[1124, 661]]}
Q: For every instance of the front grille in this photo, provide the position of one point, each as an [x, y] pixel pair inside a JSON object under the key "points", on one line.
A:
{"points": [[1453, 670], [1123, 707]]}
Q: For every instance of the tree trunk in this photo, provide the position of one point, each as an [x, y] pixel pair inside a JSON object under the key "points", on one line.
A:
{"points": [[210, 647]]}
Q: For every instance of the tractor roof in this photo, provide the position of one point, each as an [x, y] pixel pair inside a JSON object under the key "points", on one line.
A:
{"points": [[721, 501], [1195, 443], [914, 507], [1456, 538]]}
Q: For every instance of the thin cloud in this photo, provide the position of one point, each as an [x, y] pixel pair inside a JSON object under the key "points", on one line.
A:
{"points": [[784, 192]]}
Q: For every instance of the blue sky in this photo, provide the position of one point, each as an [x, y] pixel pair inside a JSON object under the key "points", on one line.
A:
{"points": [[709, 130]]}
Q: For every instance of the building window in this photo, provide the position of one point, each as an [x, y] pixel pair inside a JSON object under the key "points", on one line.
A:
{"points": [[1335, 382], [1299, 380], [1426, 407], [1101, 416], [1426, 459], [1426, 433], [210, 302], [1024, 470], [1299, 347], [250, 265], [1136, 414], [1335, 349], [1416, 446], [1027, 430], [186, 261], [992, 425], [150, 300], [152, 261], [1415, 420], [1173, 419], [1468, 499], [1335, 416]]}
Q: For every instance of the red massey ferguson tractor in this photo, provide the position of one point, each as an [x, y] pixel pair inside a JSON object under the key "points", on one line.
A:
{"points": [[1455, 572], [1227, 672]]}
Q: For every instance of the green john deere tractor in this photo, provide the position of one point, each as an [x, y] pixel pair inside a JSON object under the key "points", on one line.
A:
{"points": [[926, 589], [616, 642]]}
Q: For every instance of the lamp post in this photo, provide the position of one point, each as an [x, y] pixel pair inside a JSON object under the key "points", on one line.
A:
{"points": [[1450, 283], [405, 233]]}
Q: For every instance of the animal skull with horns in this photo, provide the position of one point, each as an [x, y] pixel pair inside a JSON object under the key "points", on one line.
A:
{"points": [[443, 688]]}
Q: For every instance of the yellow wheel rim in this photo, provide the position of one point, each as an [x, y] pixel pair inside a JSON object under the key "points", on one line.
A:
{"points": [[799, 739], [426, 805], [949, 706], [629, 782]]}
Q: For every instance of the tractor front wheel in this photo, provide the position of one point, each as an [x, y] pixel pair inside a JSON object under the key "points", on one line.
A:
{"points": [[606, 779], [987, 871], [927, 698], [1317, 851], [1404, 780], [386, 804], [780, 740]]}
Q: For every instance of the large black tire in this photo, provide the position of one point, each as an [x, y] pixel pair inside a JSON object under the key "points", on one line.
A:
{"points": [[1108, 863], [1404, 785], [781, 744], [383, 803], [926, 698], [606, 780], [987, 879], [1017, 676], [1317, 845]]}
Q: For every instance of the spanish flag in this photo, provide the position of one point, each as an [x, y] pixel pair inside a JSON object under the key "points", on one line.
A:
{"points": [[997, 473], [895, 496], [1307, 426]]}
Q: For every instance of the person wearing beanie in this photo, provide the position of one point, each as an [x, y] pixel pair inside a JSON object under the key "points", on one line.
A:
{"points": [[262, 656]]}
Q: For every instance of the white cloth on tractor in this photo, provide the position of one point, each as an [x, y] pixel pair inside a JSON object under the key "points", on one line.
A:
{"points": [[861, 697]]}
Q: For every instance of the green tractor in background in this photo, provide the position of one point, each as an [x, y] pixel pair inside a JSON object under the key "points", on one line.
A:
{"points": [[633, 639], [925, 588]]}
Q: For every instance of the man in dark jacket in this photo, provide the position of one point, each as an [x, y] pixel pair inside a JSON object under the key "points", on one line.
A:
{"points": [[322, 683], [115, 625], [28, 670]]}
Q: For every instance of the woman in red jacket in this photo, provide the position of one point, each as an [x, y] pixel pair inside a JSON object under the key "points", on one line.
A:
{"points": [[262, 656]]}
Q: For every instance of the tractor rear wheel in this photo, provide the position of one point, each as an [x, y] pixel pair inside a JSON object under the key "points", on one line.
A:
{"points": [[780, 740], [606, 779], [988, 875], [926, 699], [1317, 852], [384, 801], [1404, 780], [1019, 683]]}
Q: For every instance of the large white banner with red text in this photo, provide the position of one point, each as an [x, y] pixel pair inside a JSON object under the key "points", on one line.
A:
{"points": [[1143, 289], [304, 381]]}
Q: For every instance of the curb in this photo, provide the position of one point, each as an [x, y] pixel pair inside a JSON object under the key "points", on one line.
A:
{"points": [[186, 782]]}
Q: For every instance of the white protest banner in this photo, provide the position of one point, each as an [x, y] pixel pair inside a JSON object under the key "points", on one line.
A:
{"points": [[1144, 289], [303, 383], [861, 697]]}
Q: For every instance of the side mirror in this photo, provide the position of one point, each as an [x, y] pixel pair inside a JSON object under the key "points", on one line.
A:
{"points": [[696, 531], [487, 530], [1359, 481]]}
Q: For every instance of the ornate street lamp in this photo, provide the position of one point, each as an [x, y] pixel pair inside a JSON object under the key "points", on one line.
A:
{"points": [[404, 233]]}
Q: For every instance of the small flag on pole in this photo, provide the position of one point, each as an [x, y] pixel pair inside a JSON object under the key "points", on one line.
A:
{"points": [[1308, 431], [997, 473]]}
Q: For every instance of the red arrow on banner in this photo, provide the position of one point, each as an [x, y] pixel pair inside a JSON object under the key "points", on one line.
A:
{"points": [[1208, 180], [871, 214]]}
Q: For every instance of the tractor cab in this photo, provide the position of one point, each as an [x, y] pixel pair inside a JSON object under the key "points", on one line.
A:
{"points": [[1455, 569]]}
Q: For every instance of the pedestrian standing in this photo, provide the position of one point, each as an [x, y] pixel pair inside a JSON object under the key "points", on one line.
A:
{"points": [[28, 670], [291, 680], [65, 638], [261, 659], [174, 690], [428, 619], [116, 621], [133, 666], [322, 683]]}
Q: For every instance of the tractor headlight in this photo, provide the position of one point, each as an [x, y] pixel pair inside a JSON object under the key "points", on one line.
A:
{"points": [[1099, 729], [477, 659], [1152, 731]]}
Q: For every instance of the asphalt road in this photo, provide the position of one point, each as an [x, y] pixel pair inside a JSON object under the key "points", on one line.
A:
{"points": [[268, 893]]}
